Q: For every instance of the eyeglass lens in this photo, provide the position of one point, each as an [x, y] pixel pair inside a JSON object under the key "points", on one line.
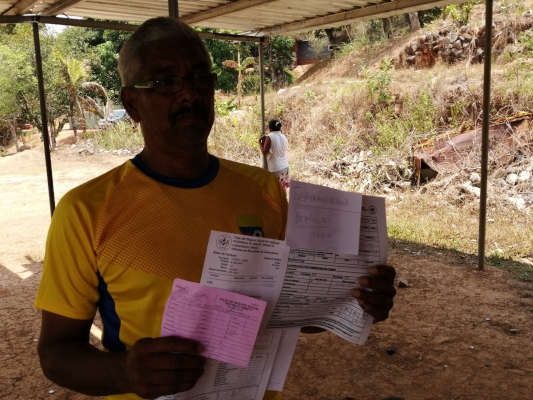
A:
{"points": [[175, 84]]}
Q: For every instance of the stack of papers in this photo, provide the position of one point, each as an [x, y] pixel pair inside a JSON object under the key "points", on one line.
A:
{"points": [[333, 237]]}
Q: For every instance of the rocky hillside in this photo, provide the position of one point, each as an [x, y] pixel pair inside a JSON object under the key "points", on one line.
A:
{"points": [[453, 155]]}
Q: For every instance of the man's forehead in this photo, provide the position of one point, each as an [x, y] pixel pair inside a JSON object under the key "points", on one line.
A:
{"points": [[169, 55]]}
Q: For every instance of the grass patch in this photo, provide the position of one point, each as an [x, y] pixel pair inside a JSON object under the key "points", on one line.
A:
{"points": [[521, 270], [121, 135]]}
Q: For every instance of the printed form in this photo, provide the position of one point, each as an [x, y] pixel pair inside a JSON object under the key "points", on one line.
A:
{"points": [[255, 267], [317, 285], [226, 323], [222, 381]]}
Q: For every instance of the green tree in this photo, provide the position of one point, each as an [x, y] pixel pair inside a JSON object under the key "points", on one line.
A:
{"points": [[242, 68], [75, 75], [222, 50], [10, 64], [281, 60], [100, 47], [19, 64]]}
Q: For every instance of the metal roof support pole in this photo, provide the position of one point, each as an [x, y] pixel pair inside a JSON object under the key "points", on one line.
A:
{"points": [[262, 85], [173, 9], [44, 118], [485, 135]]}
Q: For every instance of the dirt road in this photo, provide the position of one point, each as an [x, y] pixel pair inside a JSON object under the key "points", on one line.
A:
{"points": [[454, 333]]}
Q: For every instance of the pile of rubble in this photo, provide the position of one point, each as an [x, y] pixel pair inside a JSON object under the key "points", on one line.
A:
{"points": [[451, 44], [510, 183]]}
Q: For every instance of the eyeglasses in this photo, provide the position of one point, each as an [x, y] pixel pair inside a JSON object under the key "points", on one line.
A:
{"points": [[175, 84]]}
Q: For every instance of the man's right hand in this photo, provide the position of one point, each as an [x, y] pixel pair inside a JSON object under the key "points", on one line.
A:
{"points": [[151, 368], [162, 366]]}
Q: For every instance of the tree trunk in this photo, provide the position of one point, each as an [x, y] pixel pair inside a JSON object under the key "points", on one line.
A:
{"points": [[239, 79], [13, 127], [414, 21], [72, 122], [52, 135], [271, 64], [387, 27], [81, 118]]}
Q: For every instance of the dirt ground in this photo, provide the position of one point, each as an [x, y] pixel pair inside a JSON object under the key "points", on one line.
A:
{"points": [[454, 333]]}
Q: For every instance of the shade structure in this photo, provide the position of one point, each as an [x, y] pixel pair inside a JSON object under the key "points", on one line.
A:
{"points": [[252, 20]]}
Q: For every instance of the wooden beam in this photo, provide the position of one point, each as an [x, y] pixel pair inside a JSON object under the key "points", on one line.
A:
{"points": [[21, 7], [117, 26], [229, 8], [60, 7]]}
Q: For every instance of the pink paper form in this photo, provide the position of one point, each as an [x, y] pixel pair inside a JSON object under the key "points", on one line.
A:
{"points": [[226, 323]]}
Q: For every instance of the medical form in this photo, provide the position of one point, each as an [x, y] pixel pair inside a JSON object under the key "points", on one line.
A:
{"points": [[317, 284]]}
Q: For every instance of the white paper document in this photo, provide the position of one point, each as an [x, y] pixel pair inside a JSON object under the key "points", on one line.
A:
{"points": [[255, 267], [322, 218], [286, 348], [249, 265], [317, 285]]}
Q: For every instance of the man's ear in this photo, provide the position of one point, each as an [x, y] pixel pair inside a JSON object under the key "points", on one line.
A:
{"points": [[129, 101]]}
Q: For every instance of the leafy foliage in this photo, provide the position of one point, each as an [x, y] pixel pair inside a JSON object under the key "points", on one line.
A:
{"points": [[281, 60], [460, 13], [100, 48], [428, 16]]}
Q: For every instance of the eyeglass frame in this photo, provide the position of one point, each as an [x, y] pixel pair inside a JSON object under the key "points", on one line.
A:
{"points": [[151, 84]]}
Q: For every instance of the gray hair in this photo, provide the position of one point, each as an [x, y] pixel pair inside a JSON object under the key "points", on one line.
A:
{"points": [[152, 31]]}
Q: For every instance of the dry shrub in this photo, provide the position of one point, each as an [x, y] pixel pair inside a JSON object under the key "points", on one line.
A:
{"points": [[343, 135]]}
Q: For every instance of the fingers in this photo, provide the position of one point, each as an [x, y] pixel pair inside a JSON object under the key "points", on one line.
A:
{"points": [[170, 344], [381, 279], [384, 271], [377, 299], [162, 366], [376, 304], [173, 361]]}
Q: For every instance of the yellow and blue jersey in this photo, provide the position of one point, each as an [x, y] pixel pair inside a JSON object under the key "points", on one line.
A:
{"points": [[117, 242]]}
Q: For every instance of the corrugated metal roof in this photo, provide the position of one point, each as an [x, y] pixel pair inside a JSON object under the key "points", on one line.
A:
{"points": [[249, 17]]}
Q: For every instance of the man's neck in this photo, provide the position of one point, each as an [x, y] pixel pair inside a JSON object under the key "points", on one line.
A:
{"points": [[183, 164]]}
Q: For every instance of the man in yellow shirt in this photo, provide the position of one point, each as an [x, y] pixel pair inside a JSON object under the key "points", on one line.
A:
{"points": [[117, 242]]}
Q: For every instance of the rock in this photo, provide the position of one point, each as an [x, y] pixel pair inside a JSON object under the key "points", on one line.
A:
{"points": [[517, 371], [475, 178], [404, 184], [403, 283], [390, 351], [85, 151], [518, 202], [467, 187], [524, 176], [511, 179]]}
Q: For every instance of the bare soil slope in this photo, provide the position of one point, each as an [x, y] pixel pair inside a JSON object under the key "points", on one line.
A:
{"points": [[455, 333]]}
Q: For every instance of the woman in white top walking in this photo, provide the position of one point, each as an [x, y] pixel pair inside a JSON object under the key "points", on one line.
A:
{"points": [[274, 148]]}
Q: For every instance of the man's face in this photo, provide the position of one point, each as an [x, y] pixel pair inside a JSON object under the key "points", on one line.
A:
{"points": [[182, 119]]}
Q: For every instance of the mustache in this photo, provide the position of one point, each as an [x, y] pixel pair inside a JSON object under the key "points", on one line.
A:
{"points": [[194, 110]]}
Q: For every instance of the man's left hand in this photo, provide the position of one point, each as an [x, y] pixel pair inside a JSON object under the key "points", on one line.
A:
{"points": [[377, 301]]}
